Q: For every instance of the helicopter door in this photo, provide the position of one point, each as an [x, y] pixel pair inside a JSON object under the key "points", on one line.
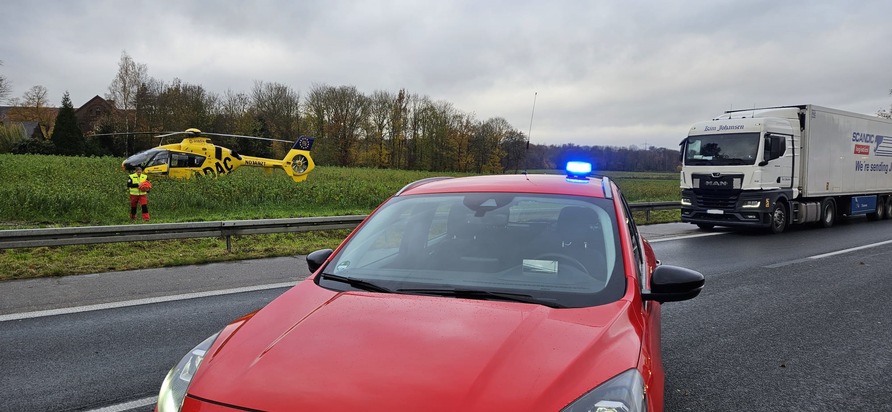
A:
{"points": [[159, 164]]}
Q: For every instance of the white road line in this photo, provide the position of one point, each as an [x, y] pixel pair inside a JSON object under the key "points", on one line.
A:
{"points": [[666, 239], [838, 252], [126, 406], [135, 302], [824, 255]]}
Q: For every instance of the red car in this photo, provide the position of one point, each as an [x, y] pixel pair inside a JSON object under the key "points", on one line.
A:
{"points": [[526, 292]]}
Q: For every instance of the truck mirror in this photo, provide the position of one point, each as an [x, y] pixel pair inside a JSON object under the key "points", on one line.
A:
{"points": [[681, 149]]}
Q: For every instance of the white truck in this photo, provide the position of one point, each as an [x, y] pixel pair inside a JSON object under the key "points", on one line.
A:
{"points": [[778, 166]]}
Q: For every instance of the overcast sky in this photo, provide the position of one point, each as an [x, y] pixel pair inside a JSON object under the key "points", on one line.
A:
{"points": [[600, 72]]}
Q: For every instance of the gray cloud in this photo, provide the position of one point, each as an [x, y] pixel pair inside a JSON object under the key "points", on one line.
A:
{"points": [[606, 73]]}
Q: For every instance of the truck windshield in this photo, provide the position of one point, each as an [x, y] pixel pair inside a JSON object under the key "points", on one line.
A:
{"points": [[721, 149]]}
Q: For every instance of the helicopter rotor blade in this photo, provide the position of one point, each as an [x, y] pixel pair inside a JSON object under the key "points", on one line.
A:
{"points": [[247, 137], [117, 134]]}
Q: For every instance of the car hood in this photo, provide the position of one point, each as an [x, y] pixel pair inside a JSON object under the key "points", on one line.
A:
{"points": [[323, 350]]}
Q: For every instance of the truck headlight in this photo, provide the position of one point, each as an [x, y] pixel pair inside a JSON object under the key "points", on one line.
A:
{"points": [[173, 389], [622, 393], [685, 201], [751, 204]]}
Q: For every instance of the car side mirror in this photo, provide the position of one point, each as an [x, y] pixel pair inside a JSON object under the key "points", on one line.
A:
{"points": [[317, 258], [673, 284]]}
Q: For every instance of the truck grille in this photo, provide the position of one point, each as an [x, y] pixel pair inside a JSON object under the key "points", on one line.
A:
{"points": [[716, 201]]}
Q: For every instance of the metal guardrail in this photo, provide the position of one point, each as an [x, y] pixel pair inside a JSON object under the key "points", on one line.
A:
{"points": [[25, 238], [648, 207]]}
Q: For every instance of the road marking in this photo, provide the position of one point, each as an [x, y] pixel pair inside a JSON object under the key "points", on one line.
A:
{"points": [[136, 302], [126, 406], [850, 249], [666, 239], [824, 255]]}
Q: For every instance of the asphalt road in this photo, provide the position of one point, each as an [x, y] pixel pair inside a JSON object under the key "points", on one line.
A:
{"points": [[779, 326]]}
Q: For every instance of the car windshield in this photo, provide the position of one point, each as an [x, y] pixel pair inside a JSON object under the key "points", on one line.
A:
{"points": [[722, 149], [560, 251]]}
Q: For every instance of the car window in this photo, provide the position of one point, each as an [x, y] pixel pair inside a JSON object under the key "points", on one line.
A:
{"points": [[562, 249], [635, 240]]}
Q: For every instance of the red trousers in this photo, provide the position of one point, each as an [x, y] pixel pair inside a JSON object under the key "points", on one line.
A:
{"points": [[139, 200]]}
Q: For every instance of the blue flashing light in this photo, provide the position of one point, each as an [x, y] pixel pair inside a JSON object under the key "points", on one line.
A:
{"points": [[579, 168]]}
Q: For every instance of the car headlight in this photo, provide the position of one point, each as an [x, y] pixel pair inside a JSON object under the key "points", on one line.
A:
{"points": [[685, 201], [622, 393], [173, 389], [751, 204]]}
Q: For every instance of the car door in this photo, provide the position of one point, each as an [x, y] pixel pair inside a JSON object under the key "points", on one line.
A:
{"points": [[645, 263]]}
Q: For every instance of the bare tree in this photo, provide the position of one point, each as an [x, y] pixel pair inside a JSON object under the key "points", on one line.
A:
{"points": [[317, 116], [279, 105], [400, 110], [125, 86], [5, 87], [124, 90], [487, 144], [348, 109], [185, 105], [234, 116], [380, 110], [33, 107]]}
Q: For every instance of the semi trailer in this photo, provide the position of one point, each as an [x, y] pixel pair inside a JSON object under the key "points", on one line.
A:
{"points": [[773, 167]]}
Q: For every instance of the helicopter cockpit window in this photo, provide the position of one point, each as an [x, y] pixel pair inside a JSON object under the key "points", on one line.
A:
{"points": [[159, 159], [185, 160], [143, 158]]}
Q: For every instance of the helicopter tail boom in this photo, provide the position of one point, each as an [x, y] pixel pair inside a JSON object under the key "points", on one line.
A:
{"points": [[297, 162]]}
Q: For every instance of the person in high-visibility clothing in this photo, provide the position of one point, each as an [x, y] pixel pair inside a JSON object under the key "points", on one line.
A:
{"points": [[138, 186]]}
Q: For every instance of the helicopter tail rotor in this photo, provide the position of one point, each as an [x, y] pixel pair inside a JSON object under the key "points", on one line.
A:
{"points": [[298, 163]]}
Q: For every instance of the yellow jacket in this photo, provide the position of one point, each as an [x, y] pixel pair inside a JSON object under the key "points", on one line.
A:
{"points": [[133, 183]]}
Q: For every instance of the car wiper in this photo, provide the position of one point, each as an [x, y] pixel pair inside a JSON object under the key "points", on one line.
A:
{"points": [[356, 283], [482, 295]]}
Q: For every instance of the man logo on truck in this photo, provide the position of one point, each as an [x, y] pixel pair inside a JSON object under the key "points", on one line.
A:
{"points": [[718, 183]]}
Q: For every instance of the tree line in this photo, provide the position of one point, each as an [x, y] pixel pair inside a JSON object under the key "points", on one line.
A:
{"points": [[384, 129]]}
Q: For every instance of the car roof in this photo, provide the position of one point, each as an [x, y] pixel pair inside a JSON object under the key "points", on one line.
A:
{"points": [[513, 183]]}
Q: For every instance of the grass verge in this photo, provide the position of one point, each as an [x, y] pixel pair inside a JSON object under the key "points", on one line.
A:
{"points": [[111, 257]]}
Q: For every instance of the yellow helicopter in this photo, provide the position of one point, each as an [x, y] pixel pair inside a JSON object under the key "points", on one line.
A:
{"points": [[196, 155]]}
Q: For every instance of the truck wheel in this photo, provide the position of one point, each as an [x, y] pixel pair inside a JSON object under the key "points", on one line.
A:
{"points": [[778, 218], [828, 213], [888, 207], [705, 226], [880, 212]]}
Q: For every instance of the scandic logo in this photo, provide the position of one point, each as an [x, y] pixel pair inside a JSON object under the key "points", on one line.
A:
{"points": [[862, 149]]}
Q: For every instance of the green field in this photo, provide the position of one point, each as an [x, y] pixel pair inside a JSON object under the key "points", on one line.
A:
{"points": [[56, 191]]}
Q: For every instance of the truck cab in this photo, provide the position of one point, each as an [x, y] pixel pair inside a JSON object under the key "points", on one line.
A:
{"points": [[738, 169]]}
